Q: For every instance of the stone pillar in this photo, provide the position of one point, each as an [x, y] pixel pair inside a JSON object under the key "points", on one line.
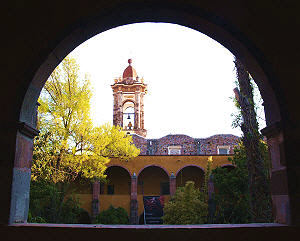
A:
{"points": [[120, 111], [279, 186], [142, 111], [133, 201], [172, 184], [137, 124], [117, 109], [22, 173], [95, 201]]}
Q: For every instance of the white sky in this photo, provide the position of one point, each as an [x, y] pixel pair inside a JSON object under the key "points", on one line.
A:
{"points": [[190, 77]]}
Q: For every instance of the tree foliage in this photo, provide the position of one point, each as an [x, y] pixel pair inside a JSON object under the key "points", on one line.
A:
{"points": [[187, 206], [206, 178], [68, 144], [258, 181], [232, 188], [49, 205], [232, 193]]}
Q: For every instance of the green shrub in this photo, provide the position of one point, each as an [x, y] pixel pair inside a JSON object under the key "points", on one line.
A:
{"points": [[232, 189], [113, 216], [187, 206], [47, 205], [70, 211]]}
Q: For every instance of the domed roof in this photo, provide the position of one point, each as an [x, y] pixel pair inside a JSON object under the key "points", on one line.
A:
{"points": [[129, 72]]}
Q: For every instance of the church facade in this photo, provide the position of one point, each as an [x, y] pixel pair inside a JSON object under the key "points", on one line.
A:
{"points": [[163, 164]]}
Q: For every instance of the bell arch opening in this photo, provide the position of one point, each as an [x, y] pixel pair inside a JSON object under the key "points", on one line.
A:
{"points": [[128, 116]]}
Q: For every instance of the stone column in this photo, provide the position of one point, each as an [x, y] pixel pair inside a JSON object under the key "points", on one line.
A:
{"points": [[115, 109], [95, 201], [279, 186], [133, 201], [22, 173], [142, 111], [172, 184], [137, 124]]}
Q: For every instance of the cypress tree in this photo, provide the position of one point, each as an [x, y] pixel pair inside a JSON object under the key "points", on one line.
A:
{"points": [[259, 190]]}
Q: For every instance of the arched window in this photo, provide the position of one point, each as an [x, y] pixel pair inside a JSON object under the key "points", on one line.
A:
{"points": [[128, 116]]}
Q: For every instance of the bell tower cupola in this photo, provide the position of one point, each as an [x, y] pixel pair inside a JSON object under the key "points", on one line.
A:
{"points": [[129, 91]]}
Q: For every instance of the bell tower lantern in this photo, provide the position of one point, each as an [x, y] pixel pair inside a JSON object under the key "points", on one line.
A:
{"points": [[129, 91]]}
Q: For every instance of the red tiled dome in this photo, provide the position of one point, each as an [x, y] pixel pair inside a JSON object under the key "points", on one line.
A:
{"points": [[129, 72]]}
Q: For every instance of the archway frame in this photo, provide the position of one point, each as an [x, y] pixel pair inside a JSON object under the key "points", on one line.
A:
{"points": [[125, 168], [128, 174], [189, 165], [153, 165], [222, 31]]}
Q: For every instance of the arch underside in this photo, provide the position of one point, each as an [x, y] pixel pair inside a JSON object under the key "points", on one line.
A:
{"points": [[205, 22], [190, 173], [225, 32]]}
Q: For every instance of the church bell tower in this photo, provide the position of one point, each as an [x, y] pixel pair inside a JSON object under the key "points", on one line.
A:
{"points": [[129, 91]]}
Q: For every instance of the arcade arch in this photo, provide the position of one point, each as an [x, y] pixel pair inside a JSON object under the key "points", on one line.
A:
{"points": [[190, 173], [153, 180], [118, 181]]}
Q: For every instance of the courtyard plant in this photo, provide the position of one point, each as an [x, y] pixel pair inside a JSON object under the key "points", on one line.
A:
{"points": [[187, 206], [232, 196], [112, 216]]}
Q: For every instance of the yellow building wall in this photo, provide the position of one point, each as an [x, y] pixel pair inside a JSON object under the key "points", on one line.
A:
{"points": [[150, 179], [121, 180], [190, 173], [170, 163], [115, 200], [85, 201]]}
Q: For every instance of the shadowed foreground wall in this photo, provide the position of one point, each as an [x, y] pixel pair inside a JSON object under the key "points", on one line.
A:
{"points": [[37, 35]]}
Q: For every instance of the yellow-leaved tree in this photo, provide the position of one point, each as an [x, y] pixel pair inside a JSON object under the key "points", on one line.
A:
{"points": [[69, 145]]}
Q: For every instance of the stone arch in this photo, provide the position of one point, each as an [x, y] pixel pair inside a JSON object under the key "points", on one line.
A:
{"points": [[153, 180], [118, 181], [152, 165], [128, 111], [189, 165], [116, 165], [237, 44], [208, 23], [125, 101], [193, 173]]}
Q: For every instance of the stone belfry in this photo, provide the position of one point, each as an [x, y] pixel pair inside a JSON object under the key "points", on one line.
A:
{"points": [[129, 91]]}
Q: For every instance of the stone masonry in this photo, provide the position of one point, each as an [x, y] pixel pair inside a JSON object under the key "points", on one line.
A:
{"points": [[189, 145]]}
